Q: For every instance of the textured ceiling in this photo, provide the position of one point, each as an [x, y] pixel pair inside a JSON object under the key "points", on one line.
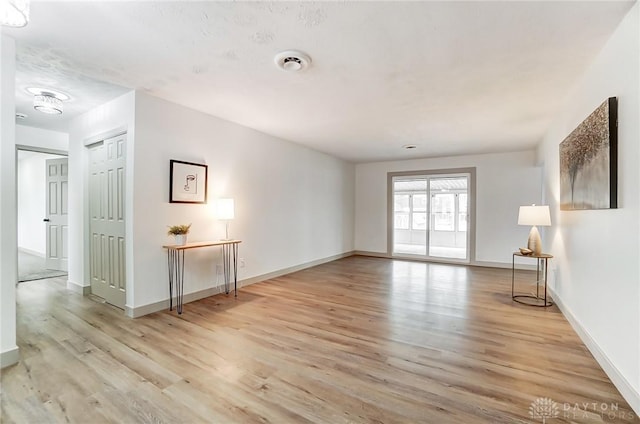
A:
{"points": [[450, 77]]}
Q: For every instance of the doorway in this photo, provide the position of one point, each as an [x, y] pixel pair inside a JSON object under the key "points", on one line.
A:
{"points": [[431, 215], [41, 205]]}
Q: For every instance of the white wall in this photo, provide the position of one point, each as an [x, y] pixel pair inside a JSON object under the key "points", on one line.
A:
{"points": [[293, 205], [38, 137], [597, 252], [32, 204], [504, 182], [8, 236], [117, 114]]}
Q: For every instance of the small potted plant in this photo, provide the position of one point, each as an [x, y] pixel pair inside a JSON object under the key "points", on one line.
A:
{"points": [[180, 233]]}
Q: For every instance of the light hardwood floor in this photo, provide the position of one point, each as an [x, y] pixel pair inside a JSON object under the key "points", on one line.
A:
{"points": [[355, 340]]}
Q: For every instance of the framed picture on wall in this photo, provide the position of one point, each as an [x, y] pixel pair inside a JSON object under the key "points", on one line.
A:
{"points": [[187, 182]]}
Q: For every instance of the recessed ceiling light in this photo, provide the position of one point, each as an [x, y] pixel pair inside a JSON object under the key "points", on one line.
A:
{"points": [[37, 91], [21, 116], [409, 146], [292, 60]]}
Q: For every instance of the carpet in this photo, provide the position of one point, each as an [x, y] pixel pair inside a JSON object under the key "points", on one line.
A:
{"points": [[32, 267]]}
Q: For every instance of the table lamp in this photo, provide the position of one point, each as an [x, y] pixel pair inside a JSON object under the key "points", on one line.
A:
{"points": [[534, 215], [225, 212]]}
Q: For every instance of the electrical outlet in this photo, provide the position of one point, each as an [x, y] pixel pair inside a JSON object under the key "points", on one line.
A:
{"points": [[218, 269], [241, 260]]}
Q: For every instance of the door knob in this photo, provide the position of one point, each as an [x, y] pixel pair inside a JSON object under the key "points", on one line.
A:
{"points": [[46, 220]]}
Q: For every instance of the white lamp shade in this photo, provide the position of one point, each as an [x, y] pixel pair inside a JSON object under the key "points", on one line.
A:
{"points": [[534, 215], [224, 209]]}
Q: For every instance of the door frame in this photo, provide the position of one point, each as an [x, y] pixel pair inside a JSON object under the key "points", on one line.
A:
{"points": [[472, 212], [36, 149], [86, 220]]}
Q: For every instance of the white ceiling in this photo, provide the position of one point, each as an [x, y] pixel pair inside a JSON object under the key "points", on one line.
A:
{"points": [[451, 77]]}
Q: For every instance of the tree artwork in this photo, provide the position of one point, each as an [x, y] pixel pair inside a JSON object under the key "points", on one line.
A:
{"points": [[588, 177]]}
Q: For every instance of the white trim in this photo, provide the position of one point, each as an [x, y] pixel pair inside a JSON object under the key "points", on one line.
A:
{"points": [[483, 264], [42, 150], [97, 138], [78, 288], [9, 357], [31, 252], [618, 379], [275, 274], [190, 297], [164, 304]]}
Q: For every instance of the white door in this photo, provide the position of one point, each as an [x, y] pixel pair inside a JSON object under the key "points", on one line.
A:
{"points": [[107, 225], [56, 216]]}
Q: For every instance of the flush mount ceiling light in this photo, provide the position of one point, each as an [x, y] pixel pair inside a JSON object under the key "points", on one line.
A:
{"points": [[47, 103], [36, 91], [292, 61], [46, 100], [14, 13]]}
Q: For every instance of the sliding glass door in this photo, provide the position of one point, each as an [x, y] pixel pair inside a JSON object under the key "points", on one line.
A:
{"points": [[431, 216]]}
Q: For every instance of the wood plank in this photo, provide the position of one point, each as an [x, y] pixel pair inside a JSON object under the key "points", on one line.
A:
{"points": [[355, 340]]}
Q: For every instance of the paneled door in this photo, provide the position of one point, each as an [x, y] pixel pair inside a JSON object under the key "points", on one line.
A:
{"points": [[107, 225], [57, 215]]}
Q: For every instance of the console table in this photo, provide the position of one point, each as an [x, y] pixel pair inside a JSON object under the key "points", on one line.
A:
{"points": [[526, 299], [175, 260]]}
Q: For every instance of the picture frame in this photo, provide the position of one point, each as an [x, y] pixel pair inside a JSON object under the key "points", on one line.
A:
{"points": [[589, 161], [187, 182]]}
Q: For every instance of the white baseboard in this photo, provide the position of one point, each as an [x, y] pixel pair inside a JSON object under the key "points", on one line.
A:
{"points": [[32, 252], [627, 391], [9, 357], [78, 288], [164, 304], [280, 272], [191, 297], [372, 254], [483, 264]]}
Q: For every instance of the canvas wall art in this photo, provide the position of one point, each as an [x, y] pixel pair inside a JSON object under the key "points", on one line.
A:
{"points": [[588, 161]]}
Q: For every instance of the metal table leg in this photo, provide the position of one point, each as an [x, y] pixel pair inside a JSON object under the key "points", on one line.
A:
{"points": [[227, 267], [170, 253], [176, 276], [513, 274], [227, 251], [531, 300]]}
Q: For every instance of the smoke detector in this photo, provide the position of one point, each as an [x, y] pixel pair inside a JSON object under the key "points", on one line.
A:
{"points": [[292, 61]]}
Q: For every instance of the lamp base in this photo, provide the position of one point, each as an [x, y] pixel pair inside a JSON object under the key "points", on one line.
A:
{"points": [[226, 232], [534, 242]]}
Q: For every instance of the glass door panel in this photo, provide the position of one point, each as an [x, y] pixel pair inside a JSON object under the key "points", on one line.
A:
{"points": [[410, 216], [448, 217]]}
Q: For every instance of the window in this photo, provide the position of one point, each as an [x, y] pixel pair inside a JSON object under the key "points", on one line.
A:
{"points": [[442, 210], [462, 212], [401, 208], [419, 212]]}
